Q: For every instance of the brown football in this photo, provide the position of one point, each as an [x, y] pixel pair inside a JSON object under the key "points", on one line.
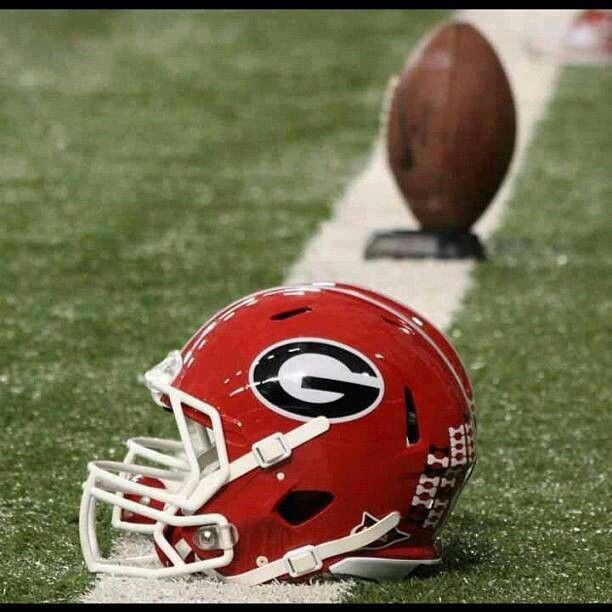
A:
{"points": [[451, 128]]}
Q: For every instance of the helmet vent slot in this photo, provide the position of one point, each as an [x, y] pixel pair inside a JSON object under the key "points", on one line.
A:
{"points": [[394, 322], [412, 425], [299, 506], [281, 316]]}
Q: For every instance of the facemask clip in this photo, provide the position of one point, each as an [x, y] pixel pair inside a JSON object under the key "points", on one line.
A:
{"points": [[216, 537]]}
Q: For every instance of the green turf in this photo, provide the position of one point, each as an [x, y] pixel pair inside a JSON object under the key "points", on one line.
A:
{"points": [[154, 167], [533, 525]]}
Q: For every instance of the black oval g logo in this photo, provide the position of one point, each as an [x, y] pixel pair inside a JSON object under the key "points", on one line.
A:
{"points": [[304, 378]]}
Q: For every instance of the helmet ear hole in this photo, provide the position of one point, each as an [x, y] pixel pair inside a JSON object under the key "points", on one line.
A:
{"points": [[297, 507]]}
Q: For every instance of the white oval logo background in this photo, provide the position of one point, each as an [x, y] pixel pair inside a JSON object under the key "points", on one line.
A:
{"points": [[302, 378]]}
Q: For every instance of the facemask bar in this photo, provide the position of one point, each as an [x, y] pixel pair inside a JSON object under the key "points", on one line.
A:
{"points": [[189, 485], [109, 480], [149, 448]]}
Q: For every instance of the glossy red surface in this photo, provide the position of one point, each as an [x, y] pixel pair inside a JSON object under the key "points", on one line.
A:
{"points": [[365, 463], [130, 517]]}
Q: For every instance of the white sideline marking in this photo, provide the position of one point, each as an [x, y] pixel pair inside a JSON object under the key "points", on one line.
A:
{"points": [[436, 288]]}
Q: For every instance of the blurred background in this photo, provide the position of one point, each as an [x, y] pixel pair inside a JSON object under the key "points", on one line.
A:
{"points": [[155, 166]]}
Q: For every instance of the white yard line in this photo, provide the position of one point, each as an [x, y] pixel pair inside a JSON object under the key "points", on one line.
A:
{"points": [[436, 288], [373, 201]]}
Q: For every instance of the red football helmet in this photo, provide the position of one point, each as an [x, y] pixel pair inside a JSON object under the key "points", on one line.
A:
{"points": [[323, 428]]}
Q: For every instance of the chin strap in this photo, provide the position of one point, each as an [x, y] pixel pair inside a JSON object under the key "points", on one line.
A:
{"points": [[308, 559], [276, 448]]}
